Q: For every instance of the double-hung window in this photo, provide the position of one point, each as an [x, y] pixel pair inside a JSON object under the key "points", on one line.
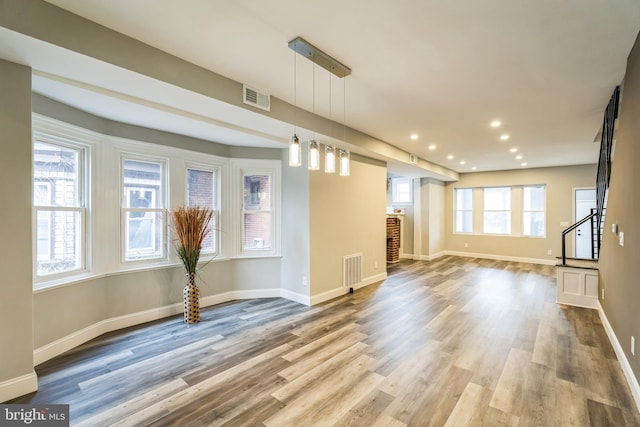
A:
{"points": [[201, 192], [464, 210], [534, 211], [401, 190], [59, 199], [143, 209], [257, 212], [497, 210]]}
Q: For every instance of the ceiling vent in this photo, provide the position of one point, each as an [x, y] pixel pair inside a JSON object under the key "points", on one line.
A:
{"points": [[256, 99]]}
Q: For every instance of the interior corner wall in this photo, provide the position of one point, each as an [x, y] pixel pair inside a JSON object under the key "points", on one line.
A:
{"points": [[295, 229], [16, 308], [436, 217], [347, 216], [406, 239], [431, 219], [559, 181], [619, 268]]}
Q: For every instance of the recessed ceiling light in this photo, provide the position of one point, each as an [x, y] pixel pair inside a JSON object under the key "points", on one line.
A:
{"points": [[496, 123], [432, 147], [513, 150], [474, 168], [504, 136], [462, 162], [523, 164], [414, 136], [519, 157], [450, 156]]}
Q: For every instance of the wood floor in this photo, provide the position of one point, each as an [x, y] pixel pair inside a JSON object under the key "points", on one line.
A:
{"points": [[451, 342]]}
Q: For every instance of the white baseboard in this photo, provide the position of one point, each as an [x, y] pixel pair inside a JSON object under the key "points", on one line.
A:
{"points": [[622, 357], [429, 257], [334, 293], [51, 350], [502, 257], [16, 387], [294, 296]]}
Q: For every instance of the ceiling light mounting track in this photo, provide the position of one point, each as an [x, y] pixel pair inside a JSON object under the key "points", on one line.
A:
{"points": [[318, 57]]}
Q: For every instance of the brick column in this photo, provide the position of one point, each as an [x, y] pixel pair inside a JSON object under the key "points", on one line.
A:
{"points": [[393, 239]]}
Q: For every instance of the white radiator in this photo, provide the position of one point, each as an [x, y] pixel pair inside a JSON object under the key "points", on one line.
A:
{"points": [[352, 270]]}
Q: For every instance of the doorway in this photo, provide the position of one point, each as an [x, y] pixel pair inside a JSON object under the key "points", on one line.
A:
{"points": [[585, 200]]}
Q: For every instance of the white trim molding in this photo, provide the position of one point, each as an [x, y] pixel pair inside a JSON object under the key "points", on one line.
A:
{"points": [[502, 257], [429, 257], [622, 357], [19, 386], [342, 290], [295, 296]]}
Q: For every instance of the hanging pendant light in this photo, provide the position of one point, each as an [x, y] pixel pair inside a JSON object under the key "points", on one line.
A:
{"points": [[344, 162], [329, 159], [344, 154], [314, 156], [295, 150]]}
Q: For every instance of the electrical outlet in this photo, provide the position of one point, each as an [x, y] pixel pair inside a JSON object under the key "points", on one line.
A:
{"points": [[305, 282], [549, 252], [466, 245], [602, 292], [633, 345], [375, 265]]}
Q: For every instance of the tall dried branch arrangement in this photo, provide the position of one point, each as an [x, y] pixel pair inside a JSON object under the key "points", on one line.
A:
{"points": [[192, 227]]}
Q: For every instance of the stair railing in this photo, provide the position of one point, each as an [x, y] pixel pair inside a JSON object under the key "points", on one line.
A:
{"points": [[569, 230]]}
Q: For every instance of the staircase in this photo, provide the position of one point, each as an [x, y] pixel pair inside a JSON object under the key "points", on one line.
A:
{"points": [[577, 279]]}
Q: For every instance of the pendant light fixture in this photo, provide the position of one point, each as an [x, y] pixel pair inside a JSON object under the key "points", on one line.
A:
{"points": [[329, 159], [345, 167], [318, 57], [314, 156], [329, 150], [344, 163], [295, 152], [295, 149], [314, 150]]}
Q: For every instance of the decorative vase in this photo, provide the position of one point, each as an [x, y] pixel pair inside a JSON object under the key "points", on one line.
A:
{"points": [[191, 296]]}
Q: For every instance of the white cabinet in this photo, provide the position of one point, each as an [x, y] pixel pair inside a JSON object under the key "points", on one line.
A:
{"points": [[577, 286]]}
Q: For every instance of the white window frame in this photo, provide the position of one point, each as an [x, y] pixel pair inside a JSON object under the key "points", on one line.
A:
{"points": [[509, 211], [394, 191], [239, 168], [456, 210], [217, 208], [543, 210], [84, 149], [163, 196]]}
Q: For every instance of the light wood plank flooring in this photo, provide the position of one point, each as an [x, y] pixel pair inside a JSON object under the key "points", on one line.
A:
{"points": [[452, 342]]}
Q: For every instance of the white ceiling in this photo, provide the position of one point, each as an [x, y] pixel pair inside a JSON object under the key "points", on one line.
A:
{"points": [[441, 69]]}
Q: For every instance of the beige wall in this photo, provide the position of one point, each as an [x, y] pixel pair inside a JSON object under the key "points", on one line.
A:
{"points": [[16, 331], [559, 181], [619, 266], [295, 227], [347, 216]]}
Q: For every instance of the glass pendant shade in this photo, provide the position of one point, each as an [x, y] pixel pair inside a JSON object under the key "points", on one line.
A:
{"points": [[295, 152], [329, 159], [314, 156], [344, 163]]}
